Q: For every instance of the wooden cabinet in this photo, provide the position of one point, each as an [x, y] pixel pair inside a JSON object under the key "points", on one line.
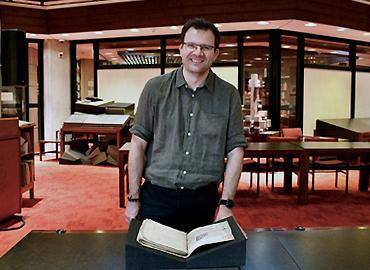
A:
{"points": [[27, 157], [10, 195]]}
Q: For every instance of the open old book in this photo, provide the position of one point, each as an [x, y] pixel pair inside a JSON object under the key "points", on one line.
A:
{"points": [[157, 236]]}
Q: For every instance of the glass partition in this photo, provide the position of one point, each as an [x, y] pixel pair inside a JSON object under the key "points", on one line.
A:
{"points": [[328, 53], [84, 70], [363, 56], [228, 51], [256, 70], [131, 53], [288, 81]]}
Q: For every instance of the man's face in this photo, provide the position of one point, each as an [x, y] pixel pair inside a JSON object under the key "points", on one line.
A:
{"points": [[197, 51]]}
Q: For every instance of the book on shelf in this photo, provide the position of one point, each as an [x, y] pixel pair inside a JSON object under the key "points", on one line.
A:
{"points": [[161, 237]]}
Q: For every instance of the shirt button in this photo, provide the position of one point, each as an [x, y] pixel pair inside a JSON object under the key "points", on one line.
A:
{"points": [[186, 86], [192, 95], [189, 133], [184, 172], [187, 153], [191, 114]]}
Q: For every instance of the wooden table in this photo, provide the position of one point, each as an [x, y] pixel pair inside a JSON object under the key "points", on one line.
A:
{"points": [[360, 149], [356, 129], [95, 127], [122, 162], [280, 149]]}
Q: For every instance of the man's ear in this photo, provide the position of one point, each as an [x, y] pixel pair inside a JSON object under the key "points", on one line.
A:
{"points": [[216, 54]]}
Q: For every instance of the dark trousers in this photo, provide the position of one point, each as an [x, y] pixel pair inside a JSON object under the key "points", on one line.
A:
{"points": [[182, 209]]}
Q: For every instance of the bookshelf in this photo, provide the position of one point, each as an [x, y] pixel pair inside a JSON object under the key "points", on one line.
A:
{"points": [[27, 157]]}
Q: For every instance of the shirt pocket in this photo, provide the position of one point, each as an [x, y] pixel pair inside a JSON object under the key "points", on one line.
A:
{"points": [[212, 129]]}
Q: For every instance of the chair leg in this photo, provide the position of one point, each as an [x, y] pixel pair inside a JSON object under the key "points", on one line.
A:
{"points": [[313, 180], [272, 180], [347, 176], [267, 172], [336, 178], [41, 148], [258, 184], [250, 179]]}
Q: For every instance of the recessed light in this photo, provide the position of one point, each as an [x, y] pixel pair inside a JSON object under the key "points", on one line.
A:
{"points": [[225, 53], [311, 50], [367, 34], [218, 25], [286, 46], [258, 58], [263, 23], [230, 45], [98, 33], [65, 35], [310, 24], [176, 55], [248, 37], [134, 30], [130, 49], [248, 65], [341, 29], [174, 27]]}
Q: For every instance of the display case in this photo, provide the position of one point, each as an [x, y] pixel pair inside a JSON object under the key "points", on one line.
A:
{"points": [[13, 101]]}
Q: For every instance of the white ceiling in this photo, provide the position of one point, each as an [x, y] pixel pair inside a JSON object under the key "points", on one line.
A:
{"points": [[292, 25]]}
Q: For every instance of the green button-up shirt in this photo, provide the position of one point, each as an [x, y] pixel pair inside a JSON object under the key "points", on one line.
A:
{"points": [[189, 133]]}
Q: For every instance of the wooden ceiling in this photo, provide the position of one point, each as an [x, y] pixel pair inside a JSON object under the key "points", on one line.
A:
{"points": [[155, 13]]}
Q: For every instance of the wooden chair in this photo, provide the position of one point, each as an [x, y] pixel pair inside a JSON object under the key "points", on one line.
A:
{"points": [[56, 142], [280, 164], [327, 163], [292, 132]]}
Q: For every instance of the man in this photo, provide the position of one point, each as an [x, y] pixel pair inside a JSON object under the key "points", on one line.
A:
{"points": [[186, 123]]}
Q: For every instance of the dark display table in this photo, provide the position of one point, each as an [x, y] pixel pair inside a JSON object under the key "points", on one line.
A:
{"points": [[356, 129], [311, 249]]}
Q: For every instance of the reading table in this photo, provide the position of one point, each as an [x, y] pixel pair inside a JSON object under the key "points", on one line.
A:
{"points": [[336, 248]]}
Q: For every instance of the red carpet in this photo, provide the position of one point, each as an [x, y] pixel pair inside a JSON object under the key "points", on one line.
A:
{"points": [[81, 197]]}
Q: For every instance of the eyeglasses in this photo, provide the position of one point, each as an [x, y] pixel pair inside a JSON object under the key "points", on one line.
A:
{"points": [[190, 46]]}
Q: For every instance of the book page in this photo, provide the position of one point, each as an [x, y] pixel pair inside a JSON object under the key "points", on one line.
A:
{"points": [[155, 235], [210, 234]]}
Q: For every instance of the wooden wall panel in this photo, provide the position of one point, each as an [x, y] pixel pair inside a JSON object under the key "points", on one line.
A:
{"points": [[153, 13], [29, 20]]}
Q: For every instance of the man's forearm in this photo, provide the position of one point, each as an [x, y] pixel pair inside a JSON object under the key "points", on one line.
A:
{"points": [[136, 164], [232, 172]]}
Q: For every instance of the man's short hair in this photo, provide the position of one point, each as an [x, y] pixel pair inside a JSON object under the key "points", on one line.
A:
{"points": [[201, 24]]}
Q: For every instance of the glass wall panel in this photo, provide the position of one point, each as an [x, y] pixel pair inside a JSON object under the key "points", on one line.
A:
{"points": [[33, 88], [131, 53], [173, 58], [256, 65], [288, 81], [123, 84], [327, 95], [363, 56], [228, 50], [84, 70], [362, 94], [328, 53]]}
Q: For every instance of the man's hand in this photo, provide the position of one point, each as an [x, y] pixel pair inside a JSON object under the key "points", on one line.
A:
{"points": [[223, 212], [132, 210]]}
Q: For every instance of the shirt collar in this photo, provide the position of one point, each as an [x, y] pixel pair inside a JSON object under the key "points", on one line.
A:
{"points": [[209, 83]]}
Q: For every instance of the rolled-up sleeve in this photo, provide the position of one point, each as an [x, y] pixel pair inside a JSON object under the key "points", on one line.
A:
{"points": [[144, 117], [235, 135]]}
